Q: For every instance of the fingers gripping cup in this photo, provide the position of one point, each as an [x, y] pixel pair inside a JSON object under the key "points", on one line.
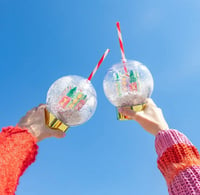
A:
{"points": [[71, 101], [128, 88]]}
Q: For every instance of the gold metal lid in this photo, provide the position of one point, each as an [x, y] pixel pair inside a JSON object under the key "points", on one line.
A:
{"points": [[54, 123]]}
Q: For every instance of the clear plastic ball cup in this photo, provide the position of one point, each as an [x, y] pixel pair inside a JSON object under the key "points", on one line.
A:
{"points": [[72, 99], [128, 88]]}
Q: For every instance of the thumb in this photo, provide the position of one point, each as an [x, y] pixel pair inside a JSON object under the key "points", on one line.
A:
{"points": [[58, 133]]}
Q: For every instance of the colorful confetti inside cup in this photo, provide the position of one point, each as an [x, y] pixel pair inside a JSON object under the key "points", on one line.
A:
{"points": [[72, 99]]}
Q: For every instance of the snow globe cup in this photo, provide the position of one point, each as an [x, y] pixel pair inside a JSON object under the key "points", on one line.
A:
{"points": [[128, 84], [71, 100]]}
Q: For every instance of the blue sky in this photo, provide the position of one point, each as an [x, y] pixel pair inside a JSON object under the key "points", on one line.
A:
{"points": [[41, 41]]}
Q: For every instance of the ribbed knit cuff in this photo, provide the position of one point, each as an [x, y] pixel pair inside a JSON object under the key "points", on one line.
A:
{"points": [[18, 150], [187, 182], [167, 138], [179, 162]]}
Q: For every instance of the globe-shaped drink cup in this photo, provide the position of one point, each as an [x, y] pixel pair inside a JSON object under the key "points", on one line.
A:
{"points": [[128, 84], [71, 100]]}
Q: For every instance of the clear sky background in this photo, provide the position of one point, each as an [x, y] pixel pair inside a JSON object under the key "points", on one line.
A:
{"points": [[43, 40]]}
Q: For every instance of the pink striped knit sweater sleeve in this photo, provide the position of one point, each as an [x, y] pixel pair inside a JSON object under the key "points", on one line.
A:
{"points": [[179, 162]]}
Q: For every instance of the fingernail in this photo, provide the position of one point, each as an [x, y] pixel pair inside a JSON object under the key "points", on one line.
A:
{"points": [[64, 134]]}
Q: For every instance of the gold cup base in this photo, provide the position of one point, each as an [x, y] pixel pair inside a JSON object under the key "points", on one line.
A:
{"points": [[135, 108], [54, 123]]}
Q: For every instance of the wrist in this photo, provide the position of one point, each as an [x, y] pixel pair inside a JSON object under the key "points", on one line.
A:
{"points": [[24, 128], [30, 129], [34, 130]]}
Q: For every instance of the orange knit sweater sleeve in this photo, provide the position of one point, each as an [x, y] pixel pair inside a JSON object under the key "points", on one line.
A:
{"points": [[18, 150]]}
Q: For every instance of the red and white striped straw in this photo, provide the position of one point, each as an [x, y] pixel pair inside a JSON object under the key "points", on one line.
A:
{"points": [[121, 46], [99, 64]]}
